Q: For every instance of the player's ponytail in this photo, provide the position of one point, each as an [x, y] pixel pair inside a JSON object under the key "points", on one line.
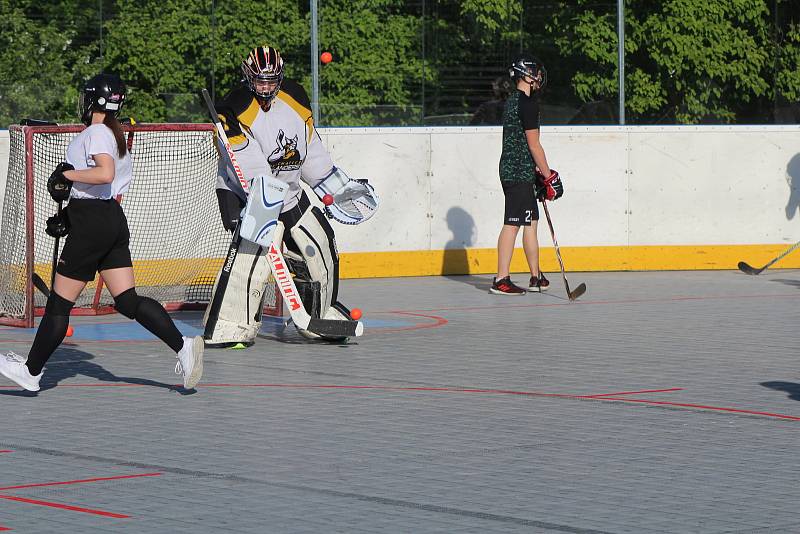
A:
{"points": [[111, 121]]}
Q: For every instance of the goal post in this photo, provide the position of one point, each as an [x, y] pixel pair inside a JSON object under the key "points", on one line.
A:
{"points": [[177, 238]]}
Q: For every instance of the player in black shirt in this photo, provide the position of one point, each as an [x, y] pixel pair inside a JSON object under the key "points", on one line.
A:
{"points": [[522, 160]]}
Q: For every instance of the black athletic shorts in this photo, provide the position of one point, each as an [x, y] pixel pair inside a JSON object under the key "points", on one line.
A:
{"points": [[521, 207], [98, 239]]}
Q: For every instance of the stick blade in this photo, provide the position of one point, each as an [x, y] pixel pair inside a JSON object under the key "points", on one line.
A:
{"points": [[335, 328], [746, 269], [577, 292]]}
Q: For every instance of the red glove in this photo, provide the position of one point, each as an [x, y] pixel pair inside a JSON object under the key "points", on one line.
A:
{"points": [[549, 188]]}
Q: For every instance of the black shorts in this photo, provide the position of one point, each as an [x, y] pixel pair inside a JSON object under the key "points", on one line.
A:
{"points": [[521, 207], [98, 239]]}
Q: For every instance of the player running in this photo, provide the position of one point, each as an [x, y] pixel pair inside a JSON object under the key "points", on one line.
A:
{"points": [[523, 170], [269, 125], [97, 169]]}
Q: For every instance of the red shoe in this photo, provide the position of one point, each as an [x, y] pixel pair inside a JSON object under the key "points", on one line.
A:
{"points": [[539, 284], [505, 286]]}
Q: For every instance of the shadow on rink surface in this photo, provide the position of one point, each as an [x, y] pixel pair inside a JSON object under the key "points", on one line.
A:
{"points": [[791, 388], [659, 402]]}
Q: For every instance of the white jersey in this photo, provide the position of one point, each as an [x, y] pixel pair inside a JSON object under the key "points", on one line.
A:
{"points": [[98, 139], [281, 141]]}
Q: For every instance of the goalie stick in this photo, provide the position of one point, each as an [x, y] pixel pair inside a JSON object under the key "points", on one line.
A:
{"points": [[747, 269], [581, 289], [285, 283]]}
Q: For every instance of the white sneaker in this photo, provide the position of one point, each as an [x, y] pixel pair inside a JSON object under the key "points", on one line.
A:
{"points": [[13, 367], [190, 361]]}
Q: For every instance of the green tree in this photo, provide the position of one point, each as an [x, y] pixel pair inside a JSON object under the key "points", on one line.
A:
{"points": [[686, 61], [37, 64], [377, 67]]}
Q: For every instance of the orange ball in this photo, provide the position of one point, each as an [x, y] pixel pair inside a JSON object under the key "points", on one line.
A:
{"points": [[326, 57], [355, 314], [327, 199], [70, 331]]}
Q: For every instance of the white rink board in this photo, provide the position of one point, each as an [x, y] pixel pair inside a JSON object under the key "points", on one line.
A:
{"points": [[713, 185], [593, 164], [396, 163], [678, 185]]}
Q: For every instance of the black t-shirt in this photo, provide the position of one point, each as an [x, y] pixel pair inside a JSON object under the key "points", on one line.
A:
{"points": [[516, 161], [529, 112]]}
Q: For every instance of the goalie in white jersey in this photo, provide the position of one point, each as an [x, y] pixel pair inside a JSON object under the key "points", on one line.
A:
{"points": [[269, 124]]}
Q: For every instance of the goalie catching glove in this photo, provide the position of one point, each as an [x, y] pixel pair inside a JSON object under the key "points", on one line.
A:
{"points": [[549, 188], [354, 201], [59, 185]]}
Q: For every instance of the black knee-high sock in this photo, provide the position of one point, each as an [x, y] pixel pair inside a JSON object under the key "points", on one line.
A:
{"points": [[151, 315], [155, 318], [51, 332]]}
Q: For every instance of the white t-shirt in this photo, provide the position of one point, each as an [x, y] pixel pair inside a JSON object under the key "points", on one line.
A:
{"points": [[98, 139]]}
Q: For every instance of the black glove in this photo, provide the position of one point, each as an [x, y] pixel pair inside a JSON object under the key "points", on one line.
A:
{"points": [[549, 188], [58, 225], [59, 185]]}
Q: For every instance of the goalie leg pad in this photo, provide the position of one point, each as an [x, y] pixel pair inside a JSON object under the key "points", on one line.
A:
{"points": [[312, 239], [234, 315]]}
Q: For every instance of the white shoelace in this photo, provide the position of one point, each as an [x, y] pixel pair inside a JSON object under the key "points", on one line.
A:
{"points": [[13, 357], [178, 368]]}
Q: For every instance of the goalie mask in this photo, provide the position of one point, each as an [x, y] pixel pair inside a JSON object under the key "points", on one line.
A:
{"points": [[263, 72], [104, 92], [529, 67]]}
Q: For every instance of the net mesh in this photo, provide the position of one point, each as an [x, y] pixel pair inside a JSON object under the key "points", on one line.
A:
{"points": [[177, 238]]}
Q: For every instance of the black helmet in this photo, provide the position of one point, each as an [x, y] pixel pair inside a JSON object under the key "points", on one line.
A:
{"points": [[528, 66], [263, 64], [104, 92]]}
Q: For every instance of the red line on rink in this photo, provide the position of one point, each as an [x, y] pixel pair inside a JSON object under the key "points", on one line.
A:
{"points": [[706, 407], [601, 397], [438, 321], [584, 302], [631, 393], [6, 451], [4, 529], [64, 506], [82, 481]]}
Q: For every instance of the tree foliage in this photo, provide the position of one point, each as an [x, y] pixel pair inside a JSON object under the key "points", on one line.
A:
{"points": [[404, 61], [686, 61]]}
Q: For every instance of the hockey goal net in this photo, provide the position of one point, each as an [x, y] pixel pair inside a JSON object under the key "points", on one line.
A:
{"points": [[177, 239]]}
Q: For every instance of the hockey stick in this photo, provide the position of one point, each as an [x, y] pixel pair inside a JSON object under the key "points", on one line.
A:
{"points": [[39, 284], [280, 271], [581, 289], [300, 317], [224, 138], [747, 269]]}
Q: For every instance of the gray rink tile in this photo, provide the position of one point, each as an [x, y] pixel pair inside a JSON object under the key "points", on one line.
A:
{"points": [[285, 457]]}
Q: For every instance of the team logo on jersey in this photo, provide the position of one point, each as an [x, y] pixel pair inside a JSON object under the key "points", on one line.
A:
{"points": [[286, 157]]}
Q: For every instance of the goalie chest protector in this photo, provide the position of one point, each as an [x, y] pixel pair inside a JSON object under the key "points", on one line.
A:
{"points": [[284, 135]]}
